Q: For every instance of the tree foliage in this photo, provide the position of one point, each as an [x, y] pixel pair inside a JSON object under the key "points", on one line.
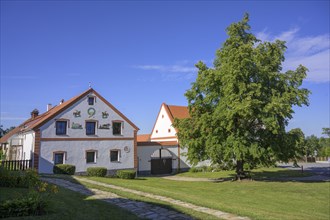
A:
{"points": [[5, 131], [239, 108], [326, 131]]}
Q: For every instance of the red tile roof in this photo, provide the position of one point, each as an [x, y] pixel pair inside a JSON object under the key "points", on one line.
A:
{"points": [[143, 137], [179, 112]]}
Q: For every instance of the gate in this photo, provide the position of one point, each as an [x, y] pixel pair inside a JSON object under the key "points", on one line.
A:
{"points": [[161, 166]]}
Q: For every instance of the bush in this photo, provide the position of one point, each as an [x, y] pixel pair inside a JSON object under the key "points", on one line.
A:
{"points": [[195, 170], [64, 169], [31, 205], [97, 171], [22, 179], [126, 174]]}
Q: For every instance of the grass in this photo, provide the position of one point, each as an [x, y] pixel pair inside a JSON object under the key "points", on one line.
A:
{"points": [[190, 212], [261, 173], [67, 204], [194, 214], [255, 199]]}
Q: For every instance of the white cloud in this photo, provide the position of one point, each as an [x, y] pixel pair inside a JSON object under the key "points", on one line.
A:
{"points": [[184, 70], [168, 68], [312, 52]]}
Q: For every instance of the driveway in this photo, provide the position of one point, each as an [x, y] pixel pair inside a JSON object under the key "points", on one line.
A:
{"points": [[321, 170]]}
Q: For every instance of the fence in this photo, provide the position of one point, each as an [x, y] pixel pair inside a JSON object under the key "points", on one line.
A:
{"points": [[16, 164]]}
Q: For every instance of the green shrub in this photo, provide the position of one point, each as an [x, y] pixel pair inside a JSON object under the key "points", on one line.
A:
{"points": [[97, 171], [126, 174], [194, 170], [64, 169], [31, 205], [24, 179]]}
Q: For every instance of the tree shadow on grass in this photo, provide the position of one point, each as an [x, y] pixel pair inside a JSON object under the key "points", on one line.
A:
{"points": [[284, 175]]}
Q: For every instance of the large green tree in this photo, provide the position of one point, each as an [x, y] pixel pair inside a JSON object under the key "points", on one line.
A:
{"points": [[239, 108]]}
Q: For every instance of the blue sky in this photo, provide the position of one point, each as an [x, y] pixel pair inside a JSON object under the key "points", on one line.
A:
{"points": [[138, 54]]}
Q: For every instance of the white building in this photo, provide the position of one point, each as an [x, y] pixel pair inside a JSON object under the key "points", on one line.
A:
{"points": [[160, 152], [84, 131]]}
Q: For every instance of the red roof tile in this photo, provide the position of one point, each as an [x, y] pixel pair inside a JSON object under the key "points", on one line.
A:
{"points": [[179, 112], [143, 137]]}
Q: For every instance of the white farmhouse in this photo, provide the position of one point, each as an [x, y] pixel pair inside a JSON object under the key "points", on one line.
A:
{"points": [[84, 131], [160, 152]]}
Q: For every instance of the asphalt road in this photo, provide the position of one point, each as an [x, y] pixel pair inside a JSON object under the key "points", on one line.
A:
{"points": [[320, 168]]}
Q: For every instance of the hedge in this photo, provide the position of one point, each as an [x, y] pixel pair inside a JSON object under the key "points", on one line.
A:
{"points": [[97, 171], [22, 179], [126, 174], [64, 169]]}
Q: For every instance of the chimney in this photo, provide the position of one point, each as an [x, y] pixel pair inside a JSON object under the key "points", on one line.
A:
{"points": [[34, 113], [49, 106], [61, 101]]}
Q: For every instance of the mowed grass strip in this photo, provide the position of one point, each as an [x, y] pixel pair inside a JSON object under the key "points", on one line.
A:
{"points": [[255, 199], [67, 204]]}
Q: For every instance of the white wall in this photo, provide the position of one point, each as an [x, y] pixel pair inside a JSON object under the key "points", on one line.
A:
{"points": [[163, 123], [76, 149], [48, 130], [145, 152], [28, 145], [76, 154]]}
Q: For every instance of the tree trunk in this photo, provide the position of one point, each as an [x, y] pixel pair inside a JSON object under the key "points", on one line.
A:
{"points": [[239, 169]]}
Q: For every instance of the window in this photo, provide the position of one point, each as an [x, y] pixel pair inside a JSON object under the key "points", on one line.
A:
{"points": [[90, 127], [59, 158], [90, 156], [114, 155], [91, 100], [61, 127], [116, 128]]}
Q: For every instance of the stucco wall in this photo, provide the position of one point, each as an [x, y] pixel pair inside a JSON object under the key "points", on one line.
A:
{"points": [[163, 123], [76, 148], [48, 130], [76, 154], [28, 144], [145, 152]]}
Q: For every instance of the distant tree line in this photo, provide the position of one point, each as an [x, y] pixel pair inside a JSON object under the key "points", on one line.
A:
{"points": [[5, 131], [315, 146]]}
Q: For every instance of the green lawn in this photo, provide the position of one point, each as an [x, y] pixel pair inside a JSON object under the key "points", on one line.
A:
{"points": [[261, 173], [67, 204], [255, 199]]}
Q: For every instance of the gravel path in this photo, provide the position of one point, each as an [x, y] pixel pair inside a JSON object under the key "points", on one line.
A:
{"points": [[141, 209]]}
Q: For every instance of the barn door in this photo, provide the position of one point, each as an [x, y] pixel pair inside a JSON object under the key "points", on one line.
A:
{"points": [[161, 166]]}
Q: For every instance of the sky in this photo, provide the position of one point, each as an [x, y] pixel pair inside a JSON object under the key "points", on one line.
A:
{"points": [[139, 54]]}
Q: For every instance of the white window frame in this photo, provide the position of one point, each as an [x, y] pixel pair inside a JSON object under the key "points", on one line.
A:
{"points": [[121, 127], [118, 157], [96, 127], [95, 156], [94, 100], [60, 152]]}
